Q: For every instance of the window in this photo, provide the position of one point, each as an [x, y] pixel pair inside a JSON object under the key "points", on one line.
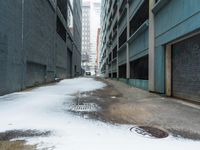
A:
{"points": [[122, 71], [140, 17], [60, 29], [139, 68], [115, 52], [70, 21], [123, 38], [62, 5]]}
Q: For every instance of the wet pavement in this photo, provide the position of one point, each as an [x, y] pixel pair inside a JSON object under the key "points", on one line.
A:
{"points": [[16, 145], [150, 114], [7, 144], [121, 104]]}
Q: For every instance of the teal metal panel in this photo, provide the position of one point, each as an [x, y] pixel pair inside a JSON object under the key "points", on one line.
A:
{"points": [[134, 6], [123, 80], [176, 19], [160, 69], [122, 55], [142, 84], [122, 24], [186, 18], [139, 46]]}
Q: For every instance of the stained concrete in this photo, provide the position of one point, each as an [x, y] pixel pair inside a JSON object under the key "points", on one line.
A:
{"points": [[123, 104]]}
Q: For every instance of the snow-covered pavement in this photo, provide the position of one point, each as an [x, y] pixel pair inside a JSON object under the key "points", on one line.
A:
{"points": [[45, 109]]}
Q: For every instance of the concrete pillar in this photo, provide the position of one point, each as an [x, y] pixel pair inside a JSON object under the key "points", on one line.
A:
{"points": [[127, 45], [111, 63], [117, 42], [23, 85], [151, 47], [107, 67], [168, 69]]}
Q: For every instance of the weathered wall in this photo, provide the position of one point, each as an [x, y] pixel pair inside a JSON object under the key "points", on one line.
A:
{"points": [[39, 26], [11, 55], [176, 19], [139, 46], [31, 51]]}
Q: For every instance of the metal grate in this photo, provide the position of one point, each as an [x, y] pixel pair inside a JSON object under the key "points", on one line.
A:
{"points": [[150, 132], [85, 107]]}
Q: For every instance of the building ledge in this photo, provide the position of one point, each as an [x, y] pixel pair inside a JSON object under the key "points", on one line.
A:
{"points": [[53, 4], [136, 9], [122, 16], [122, 47], [159, 5], [114, 60], [140, 30]]}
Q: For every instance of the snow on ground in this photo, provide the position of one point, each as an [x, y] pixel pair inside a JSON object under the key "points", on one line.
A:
{"points": [[45, 109]]}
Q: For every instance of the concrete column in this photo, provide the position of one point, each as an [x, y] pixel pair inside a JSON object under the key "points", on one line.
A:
{"points": [[127, 45], [111, 63], [117, 41], [168, 69], [107, 67], [23, 85], [151, 47]]}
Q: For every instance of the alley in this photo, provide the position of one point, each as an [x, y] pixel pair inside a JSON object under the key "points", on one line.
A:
{"points": [[87, 113]]}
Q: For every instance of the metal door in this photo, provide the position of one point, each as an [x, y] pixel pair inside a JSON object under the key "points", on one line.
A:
{"points": [[186, 69]]}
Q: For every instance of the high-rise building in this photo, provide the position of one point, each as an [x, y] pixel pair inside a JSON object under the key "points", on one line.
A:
{"points": [[86, 9], [39, 41], [91, 23], [95, 21], [97, 52]]}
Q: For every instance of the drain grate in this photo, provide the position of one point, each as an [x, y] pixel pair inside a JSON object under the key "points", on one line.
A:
{"points": [[85, 107], [150, 132]]}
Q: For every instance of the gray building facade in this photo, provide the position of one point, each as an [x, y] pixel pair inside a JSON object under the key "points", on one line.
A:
{"points": [[39, 41], [153, 45]]}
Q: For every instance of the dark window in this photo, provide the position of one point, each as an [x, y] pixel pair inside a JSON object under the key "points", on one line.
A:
{"points": [[114, 75], [122, 71], [61, 29], [139, 68], [140, 17], [62, 5], [110, 75], [122, 7], [123, 37], [110, 57], [115, 52]]}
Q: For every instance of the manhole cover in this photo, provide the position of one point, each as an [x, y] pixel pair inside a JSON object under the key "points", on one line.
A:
{"points": [[150, 132], [85, 107]]}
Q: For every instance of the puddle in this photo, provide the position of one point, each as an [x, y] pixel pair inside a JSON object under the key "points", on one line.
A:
{"points": [[150, 132]]}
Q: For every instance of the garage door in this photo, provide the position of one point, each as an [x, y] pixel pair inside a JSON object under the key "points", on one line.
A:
{"points": [[186, 69]]}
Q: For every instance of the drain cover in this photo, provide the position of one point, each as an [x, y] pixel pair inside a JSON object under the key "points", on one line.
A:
{"points": [[86, 107], [151, 132]]}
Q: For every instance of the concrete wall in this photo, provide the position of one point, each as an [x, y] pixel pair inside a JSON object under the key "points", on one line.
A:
{"points": [[139, 46], [38, 40], [11, 58], [186, 19], [31, 51], [169, 20]]}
